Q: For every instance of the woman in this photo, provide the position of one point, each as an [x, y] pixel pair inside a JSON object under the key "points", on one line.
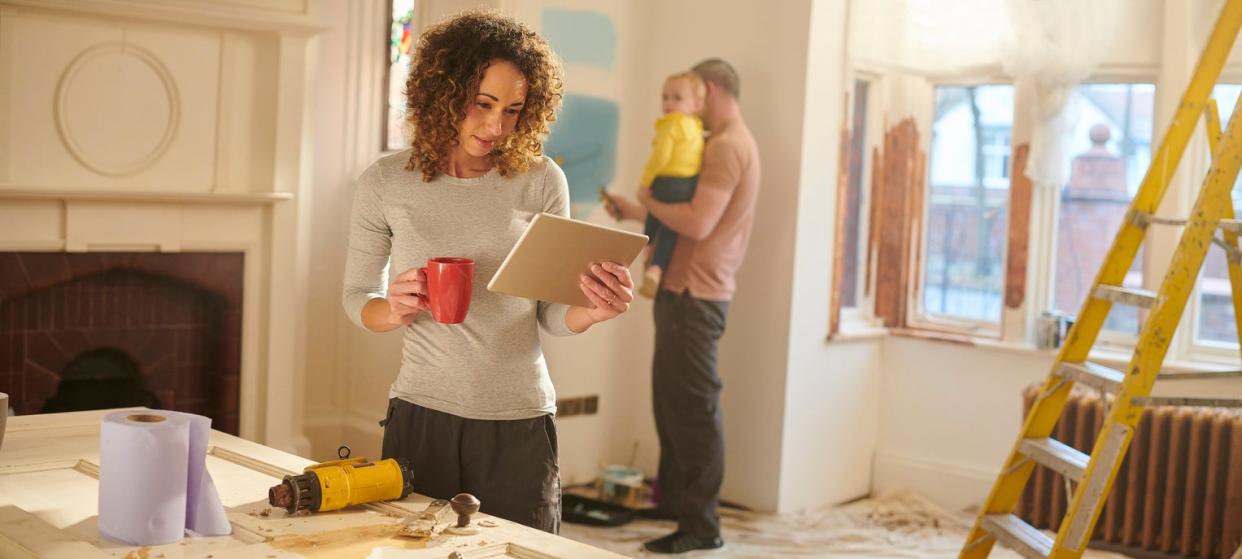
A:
{"points": [[471, 408]]}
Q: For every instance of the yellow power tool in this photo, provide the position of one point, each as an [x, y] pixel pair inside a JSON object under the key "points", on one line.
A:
{"points": [[341, 483]]}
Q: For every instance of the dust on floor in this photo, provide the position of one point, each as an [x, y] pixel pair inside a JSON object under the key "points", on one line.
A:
{"points": [[899, 524]]}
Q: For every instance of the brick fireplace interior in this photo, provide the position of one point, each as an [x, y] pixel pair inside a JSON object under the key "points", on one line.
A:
{"points": [[102, 330]]}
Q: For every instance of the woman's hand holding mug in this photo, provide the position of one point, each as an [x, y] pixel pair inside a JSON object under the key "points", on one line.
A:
{"points": [[442, 288], [406, 296]]}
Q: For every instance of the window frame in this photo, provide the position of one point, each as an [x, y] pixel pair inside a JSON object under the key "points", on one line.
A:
{"points": [[871, 127], [420, 23], [1109, 340], [862, 314], [918, 317], [1016, 327], [1192, 348]]}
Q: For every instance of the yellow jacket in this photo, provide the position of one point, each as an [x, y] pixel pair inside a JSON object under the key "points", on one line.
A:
{"points": [[677, 150]]}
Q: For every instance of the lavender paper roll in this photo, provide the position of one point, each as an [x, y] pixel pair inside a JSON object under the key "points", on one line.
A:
{"points": [[152, 479], [143, 466]]}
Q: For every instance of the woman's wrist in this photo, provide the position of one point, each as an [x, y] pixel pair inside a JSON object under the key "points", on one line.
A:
{"points": [[377, 316], [579, 319]]}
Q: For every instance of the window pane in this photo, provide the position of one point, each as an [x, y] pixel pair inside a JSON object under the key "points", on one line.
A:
{"points": [[401, 42], [968, 202], [1110, 147], [853, 198], [1216, 320]]}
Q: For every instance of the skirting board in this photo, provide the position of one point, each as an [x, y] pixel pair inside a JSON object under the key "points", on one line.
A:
{"points": [[951, 485]]}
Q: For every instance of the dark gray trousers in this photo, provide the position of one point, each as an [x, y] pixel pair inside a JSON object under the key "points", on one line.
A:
{"points": [[664, 240], [685, 389], [509, 465]]}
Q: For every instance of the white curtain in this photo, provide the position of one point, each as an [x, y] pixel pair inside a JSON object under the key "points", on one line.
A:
{"points": [[1056, 44], [931, 36], [949, 35]]}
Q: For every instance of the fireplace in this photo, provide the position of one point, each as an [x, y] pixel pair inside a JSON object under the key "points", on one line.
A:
{"points": [[113, 329], [149, 149]]}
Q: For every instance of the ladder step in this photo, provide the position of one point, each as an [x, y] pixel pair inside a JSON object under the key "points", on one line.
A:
{"points": [[1144, 219], [1192, 402], [1198, 375], [1017, 535], [1062, 458], [1126, 295], [1093, 375]]}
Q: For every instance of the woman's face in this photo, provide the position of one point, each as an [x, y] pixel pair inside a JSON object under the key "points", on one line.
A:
{"points": [[494, 111]]}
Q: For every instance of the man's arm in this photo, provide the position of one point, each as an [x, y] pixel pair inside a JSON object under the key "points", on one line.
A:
{"points": [[718, 178]]}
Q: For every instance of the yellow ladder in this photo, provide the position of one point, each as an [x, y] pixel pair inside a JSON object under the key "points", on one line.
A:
{"points": [[1093, 475]]}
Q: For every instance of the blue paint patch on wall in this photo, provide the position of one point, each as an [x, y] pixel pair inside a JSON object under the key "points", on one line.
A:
{"points": [[581, 36], [583, 142]]}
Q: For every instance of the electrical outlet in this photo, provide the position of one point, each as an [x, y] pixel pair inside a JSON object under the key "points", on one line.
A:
{"points": [[581, 405]]}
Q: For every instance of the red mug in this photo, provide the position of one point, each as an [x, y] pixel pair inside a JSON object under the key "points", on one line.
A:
{"points": [[450, 283]]}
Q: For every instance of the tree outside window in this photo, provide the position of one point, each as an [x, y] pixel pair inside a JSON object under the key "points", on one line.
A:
{"points": [[968, 199]]}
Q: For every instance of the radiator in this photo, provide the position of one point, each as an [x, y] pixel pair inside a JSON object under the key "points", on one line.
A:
{"points": [[1179, 490]]}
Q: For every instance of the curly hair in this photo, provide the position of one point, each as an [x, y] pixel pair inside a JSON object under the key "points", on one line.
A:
{"points": [[448, 65]]}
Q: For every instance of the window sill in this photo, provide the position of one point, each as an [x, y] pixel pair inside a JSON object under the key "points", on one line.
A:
{"points": [[859, 331], [1110, 357], [1120, 360]]}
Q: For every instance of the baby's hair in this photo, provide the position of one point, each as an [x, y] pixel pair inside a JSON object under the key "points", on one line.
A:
{"points": [[697, 86]]}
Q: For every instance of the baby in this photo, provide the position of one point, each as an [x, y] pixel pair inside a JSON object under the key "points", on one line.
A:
{"points": [[672, 169]]}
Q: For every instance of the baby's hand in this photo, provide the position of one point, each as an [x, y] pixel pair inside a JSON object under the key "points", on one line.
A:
{"points": [[644, 196], [610, 205]]}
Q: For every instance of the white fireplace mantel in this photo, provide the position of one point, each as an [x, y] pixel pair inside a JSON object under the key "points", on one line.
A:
{"points": [[169, 126]]}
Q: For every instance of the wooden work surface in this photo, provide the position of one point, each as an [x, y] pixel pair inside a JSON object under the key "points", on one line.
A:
{"points": [[49, 489]]}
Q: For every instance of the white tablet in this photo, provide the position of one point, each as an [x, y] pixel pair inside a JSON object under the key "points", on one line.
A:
{"points": [[545, 263]]}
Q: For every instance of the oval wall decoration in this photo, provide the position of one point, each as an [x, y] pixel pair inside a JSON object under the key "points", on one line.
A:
{"points": [[117, 109]]}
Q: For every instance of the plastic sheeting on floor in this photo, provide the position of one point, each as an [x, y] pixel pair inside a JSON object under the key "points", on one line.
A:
{"points": [[899, 524]]}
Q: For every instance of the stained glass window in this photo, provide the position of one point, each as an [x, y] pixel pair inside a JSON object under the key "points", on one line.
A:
{"points": [[402, 37]]}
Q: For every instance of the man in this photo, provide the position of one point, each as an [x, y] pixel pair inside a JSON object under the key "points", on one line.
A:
{"points": [[690, 310]]}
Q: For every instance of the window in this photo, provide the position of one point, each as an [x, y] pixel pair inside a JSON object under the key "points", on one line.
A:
{"points": [[852, 213], [1109, 149], [402, 37], [967, 203], [1215, 323]]}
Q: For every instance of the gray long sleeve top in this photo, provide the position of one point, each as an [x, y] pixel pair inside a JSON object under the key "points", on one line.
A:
{"points": [[491, 366]]}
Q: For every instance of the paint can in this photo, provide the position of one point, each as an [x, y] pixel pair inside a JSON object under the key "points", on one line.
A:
{"points": [[1051, 329], [622, 485]]}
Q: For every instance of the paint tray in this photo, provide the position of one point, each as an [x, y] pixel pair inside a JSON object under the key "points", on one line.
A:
{"points": [[593, 512]]}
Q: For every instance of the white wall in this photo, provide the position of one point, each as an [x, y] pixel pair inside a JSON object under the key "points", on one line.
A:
{"points": [[951, 413], [831, 391]]}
